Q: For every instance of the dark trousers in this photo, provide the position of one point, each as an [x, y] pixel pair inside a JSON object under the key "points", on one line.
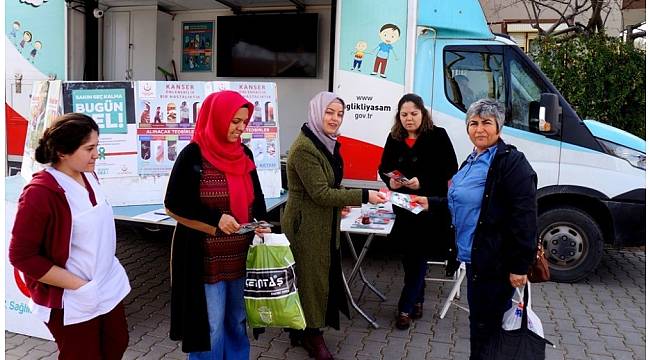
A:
{"points": [[415, 269], [488, 299], [103, 337]]}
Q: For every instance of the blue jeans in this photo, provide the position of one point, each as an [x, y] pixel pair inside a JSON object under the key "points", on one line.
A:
{"points": [[227, 317], [415, 269]]}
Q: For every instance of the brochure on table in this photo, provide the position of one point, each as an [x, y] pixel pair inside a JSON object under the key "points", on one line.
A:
{"points": [[145, 124]]}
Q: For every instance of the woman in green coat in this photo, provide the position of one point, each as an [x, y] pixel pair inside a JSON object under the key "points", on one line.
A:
{"points": [[312, 217]]}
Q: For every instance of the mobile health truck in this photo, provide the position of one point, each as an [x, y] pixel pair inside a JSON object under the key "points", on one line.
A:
{"points": [[591, 188]]}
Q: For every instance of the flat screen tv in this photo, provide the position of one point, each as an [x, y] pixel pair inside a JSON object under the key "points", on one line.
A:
{"points": [[273, 45]]}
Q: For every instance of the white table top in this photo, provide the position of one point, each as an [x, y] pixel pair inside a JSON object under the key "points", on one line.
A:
{"points": [[355, 213]]}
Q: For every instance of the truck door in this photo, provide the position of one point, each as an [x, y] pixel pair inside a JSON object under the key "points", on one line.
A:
{"points": [[472, 72], [523, 93]]}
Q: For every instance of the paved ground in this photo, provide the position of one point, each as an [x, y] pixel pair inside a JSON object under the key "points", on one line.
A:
{"points": [[602, 317]]}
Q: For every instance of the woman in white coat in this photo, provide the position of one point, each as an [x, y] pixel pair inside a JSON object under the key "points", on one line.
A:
{"points": [[63, 240]]}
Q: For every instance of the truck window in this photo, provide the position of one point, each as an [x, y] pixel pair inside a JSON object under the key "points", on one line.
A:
{"points": [[525, 93], [470, 76]]}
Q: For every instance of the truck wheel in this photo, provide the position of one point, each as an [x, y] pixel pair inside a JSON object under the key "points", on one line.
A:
{"points": [[573, 243]]}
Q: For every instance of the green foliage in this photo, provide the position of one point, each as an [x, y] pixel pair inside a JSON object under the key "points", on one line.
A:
{"points": [[602, 77]]}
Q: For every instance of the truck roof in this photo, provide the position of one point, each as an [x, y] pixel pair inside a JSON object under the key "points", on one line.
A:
{"points": [[458, 19]]}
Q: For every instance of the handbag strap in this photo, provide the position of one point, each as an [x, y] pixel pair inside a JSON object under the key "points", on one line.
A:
{"points": [[524, 314]]}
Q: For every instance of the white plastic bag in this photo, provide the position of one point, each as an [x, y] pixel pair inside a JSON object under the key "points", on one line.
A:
{"points": [[512, 317]]}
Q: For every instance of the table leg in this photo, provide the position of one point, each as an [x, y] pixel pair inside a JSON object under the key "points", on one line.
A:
{"points": [[357, 265], [354, 304]]}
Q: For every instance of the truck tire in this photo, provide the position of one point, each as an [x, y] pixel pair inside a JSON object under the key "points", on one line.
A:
{"points": [[573, 243]]}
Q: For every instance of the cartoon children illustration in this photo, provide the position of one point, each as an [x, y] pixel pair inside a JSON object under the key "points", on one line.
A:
{"points": [[36, 47], [15, 26], [157, 119], [27, 38], [360, 50], [389, 34], [185, 113]]}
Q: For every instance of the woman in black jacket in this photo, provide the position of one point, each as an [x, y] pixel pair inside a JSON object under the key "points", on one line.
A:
{"points": [[421, 152], [212, 189], [494, 211]]}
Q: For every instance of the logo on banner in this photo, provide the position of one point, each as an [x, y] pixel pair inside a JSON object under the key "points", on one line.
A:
{"points": [[147, 89]]}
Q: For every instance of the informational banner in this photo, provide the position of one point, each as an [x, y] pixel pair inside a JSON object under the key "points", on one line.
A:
{"points": [[262, 133], [110, 104], [145, 124], [106, 106], [167, 113], [197, 46], [369, 72], [18, 316], [45, 106]]}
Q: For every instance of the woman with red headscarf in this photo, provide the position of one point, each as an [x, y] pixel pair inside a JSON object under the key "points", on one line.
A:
{"points": [[212, 189]]}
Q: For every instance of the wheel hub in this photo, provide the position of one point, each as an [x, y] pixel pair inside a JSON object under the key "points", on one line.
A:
{"points": [[564, 245]]}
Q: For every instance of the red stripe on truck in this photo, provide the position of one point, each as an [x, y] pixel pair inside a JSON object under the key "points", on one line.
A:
{"points": [[360, 159]]}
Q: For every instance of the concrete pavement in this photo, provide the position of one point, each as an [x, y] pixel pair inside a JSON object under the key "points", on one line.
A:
{"points": [[602, 317]]}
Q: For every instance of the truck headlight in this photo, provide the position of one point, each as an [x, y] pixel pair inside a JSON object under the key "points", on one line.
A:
{"points": [[634, 157]]}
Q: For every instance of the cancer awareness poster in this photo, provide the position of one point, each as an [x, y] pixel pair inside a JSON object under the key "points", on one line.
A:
{"points": [[110, 104], [166, 114], [262, 133]]}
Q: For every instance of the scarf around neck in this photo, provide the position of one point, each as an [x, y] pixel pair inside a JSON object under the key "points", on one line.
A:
{"points": [[211, 135]]}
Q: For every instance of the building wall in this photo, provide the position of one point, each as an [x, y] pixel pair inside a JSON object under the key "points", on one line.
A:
{"points": [[497, 11], [293, 93], [633, 16], [156, 40]]}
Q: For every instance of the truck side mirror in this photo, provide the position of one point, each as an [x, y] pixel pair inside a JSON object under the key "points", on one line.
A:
{"points": [[549, 114]]}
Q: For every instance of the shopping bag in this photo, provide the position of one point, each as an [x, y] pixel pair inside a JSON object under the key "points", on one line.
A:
{"points": [[512, 318], [270, 292], [520, 343]]}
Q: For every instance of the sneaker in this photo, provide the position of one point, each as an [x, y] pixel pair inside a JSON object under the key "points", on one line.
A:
{"points": [[403, 321], [417, 311], [373, 73], [382, 75]]}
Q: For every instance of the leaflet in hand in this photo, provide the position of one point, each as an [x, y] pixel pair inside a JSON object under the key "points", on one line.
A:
{"points": [[404, 201], [397, 176], [248, 227]]}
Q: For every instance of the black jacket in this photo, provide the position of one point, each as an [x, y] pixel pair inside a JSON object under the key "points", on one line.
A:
{"points": [[505, 237], [432, 160], [189, 316]]}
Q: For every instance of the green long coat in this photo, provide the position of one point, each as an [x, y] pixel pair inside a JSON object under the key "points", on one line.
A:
{"points": [[311, 218]]}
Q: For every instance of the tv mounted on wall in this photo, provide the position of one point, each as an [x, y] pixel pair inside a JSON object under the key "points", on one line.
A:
{"points": [[273, 45]]}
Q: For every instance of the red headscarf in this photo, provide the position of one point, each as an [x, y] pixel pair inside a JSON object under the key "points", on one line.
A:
{"points": [[211, 134]]}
